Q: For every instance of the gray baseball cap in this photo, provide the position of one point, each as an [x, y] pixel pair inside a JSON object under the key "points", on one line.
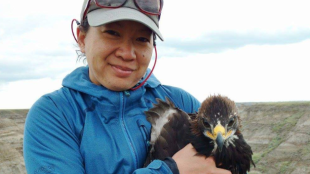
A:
{"points": [[97, 16]]}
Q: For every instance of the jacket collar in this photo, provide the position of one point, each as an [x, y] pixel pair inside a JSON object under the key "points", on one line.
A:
{"points": [[79, 81]]}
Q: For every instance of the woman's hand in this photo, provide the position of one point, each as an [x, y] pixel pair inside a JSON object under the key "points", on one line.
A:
{"points": [[189, 163]]}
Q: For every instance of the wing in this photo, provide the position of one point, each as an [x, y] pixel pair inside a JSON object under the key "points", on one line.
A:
{"points": [[170, 130]]}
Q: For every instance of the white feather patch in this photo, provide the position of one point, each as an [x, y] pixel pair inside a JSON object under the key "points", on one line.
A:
{"points": [[231, 140], [160, 122]]}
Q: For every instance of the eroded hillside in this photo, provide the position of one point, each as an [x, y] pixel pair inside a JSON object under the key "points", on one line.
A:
{"points": [[279, 134], [11, 140]]}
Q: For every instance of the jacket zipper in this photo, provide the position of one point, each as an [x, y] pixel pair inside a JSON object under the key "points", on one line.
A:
{"points": [[134, 154], [145, 136]]}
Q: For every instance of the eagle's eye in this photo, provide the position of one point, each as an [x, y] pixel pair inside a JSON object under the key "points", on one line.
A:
{"points": [[231, 122], [206, 123]]}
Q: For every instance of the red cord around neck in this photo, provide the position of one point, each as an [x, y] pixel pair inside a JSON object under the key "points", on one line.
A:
{"points": [[77, 22], [137, 87]]}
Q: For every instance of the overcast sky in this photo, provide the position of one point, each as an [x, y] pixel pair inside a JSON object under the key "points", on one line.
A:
{"points": [[250, 51]]}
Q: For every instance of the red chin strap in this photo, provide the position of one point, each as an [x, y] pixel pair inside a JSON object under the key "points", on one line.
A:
{"points": [[137, 87], [78, 23]]}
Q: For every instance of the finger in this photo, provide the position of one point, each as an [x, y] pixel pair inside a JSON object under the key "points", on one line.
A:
{"points": [[189, 145], [210, 160], [221, 171], [191, 148]]}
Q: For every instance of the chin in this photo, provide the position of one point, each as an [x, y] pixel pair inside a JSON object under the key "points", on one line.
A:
{"points": [[115, 83], [119, 86]]}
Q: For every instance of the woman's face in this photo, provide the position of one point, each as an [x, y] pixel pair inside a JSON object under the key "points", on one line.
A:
{"points": [[117, 53]]}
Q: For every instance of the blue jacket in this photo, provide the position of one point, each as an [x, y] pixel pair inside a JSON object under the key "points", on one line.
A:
{"points": [[86, 128]]}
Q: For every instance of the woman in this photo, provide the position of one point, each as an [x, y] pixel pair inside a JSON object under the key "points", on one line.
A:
{"points": [[95, 123]]}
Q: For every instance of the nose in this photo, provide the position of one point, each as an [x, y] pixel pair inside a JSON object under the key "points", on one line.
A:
{"points": [[126, 51]]}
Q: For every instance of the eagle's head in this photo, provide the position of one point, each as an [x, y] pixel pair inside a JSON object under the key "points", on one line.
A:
{"points": [[217, 120]]}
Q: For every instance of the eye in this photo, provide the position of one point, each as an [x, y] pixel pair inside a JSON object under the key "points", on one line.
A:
{"points": [[231, 122], [112, 32], [206, 123], [143, 39]]}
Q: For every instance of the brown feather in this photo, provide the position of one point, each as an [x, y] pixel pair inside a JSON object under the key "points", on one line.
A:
{"points": [[173, 136]]}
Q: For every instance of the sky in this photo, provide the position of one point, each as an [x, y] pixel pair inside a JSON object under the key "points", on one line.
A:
{"points": [[250, 51]]}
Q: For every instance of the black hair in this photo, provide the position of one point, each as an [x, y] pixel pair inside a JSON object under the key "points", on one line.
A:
{"points": [[154, 39], [84, 27]]}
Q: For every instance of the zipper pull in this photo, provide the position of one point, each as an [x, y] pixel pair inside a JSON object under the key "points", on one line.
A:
{"points": [[127, 93]]}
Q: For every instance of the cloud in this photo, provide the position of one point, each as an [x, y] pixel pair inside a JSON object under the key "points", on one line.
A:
{"points": [[256, 73], [36, 48], [221, 41], [22, 94], [22, 9], [35, 64], [186, 21]]}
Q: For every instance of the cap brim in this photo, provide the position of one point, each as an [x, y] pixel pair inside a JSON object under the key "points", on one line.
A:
{"points": [[103, 16]]}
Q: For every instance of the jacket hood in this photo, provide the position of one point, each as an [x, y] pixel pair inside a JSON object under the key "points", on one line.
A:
{"points": [[79, 81]]}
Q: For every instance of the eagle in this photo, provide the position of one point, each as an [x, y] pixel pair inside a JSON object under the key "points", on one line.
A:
{"points": [[214, 131]]}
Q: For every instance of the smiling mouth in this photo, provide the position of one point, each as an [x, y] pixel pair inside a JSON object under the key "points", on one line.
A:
{"points": [[122, 71], [122, 68]]}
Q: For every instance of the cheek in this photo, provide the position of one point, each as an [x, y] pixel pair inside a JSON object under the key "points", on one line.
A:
{"points": [[146, 57], [94, 46], [96, 54]]}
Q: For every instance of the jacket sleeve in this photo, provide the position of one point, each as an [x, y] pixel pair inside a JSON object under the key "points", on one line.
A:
{"points": [[155, 167], [50, 145], [182, 99]]}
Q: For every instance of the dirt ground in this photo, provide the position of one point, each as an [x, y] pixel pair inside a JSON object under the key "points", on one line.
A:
{"points": [[279, 134]]}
